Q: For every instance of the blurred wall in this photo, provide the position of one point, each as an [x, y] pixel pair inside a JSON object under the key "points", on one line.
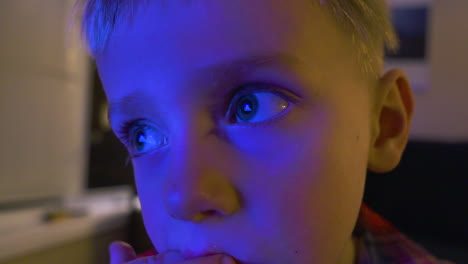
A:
{"points": [[442, 111], [43, 101]]}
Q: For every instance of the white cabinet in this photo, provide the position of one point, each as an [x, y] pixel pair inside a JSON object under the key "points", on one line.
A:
{"points": [[43, 101]]}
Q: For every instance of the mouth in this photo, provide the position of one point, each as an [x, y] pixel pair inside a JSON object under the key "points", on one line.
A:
{"points": [[189, 254]]}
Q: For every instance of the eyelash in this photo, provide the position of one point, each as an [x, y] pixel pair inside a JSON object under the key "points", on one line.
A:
{"points": [[124, 130], [124, 133], [233, 98], [242, 90]]}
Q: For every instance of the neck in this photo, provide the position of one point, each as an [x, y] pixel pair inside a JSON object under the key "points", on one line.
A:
{"points": [[348, 255]]}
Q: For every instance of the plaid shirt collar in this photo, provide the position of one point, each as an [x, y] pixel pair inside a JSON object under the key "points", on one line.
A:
{"points": [[379, 242]]}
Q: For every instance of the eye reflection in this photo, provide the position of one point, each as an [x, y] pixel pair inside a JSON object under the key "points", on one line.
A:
{"points": [[141, 138], [257, 107]]}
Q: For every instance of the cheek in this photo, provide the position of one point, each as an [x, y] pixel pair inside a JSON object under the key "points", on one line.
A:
{"points": [[280, 182], [149, 190], [306, 183], [281, 143]]}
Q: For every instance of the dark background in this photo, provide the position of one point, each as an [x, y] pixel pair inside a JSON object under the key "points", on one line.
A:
{"points": [[411, 25]]}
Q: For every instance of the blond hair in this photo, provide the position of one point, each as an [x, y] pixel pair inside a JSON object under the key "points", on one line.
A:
{"points": [[367, 22]]}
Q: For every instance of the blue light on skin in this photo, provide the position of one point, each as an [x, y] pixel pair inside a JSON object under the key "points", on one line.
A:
{"points": [[283, 185], [141, 138]]}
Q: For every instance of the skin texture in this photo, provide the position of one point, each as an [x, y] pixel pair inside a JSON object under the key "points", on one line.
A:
{"points": [[284, 190]]}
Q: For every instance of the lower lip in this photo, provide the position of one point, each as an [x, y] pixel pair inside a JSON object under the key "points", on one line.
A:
{"points": [[190, 254]]}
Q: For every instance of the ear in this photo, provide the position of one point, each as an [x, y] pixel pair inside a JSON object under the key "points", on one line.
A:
{"points": [[393, 108]]}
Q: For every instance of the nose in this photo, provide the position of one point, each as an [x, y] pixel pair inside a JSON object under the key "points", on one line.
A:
{"points": [[196, 186]]}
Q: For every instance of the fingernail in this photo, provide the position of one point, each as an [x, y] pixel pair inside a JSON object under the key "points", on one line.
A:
{"points": [[227, 260]]}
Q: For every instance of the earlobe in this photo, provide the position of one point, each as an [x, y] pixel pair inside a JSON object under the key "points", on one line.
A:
{"points": [[394, 110]]}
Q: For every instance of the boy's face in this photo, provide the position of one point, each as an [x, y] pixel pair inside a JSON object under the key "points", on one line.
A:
{"points": [[249, 127]]}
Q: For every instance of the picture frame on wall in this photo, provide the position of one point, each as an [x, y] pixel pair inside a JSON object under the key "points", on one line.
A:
{"points": [[411, 19]]}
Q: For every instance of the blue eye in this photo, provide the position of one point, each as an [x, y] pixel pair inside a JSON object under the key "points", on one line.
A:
{"points": [[142, 138], [257, 107]]}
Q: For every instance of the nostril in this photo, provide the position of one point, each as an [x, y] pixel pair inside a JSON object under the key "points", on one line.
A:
{"points": [[203, 215], [210, 212]]}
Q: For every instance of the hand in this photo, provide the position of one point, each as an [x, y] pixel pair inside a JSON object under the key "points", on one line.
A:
{"points": [[123, 253]]}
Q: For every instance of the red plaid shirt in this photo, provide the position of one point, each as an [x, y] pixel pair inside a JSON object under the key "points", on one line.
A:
{"points": [[379, 242]]}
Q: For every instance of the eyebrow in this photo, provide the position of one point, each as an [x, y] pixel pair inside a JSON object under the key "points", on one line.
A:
{"points": [[129, 103], [278, 59], [222, 71]]}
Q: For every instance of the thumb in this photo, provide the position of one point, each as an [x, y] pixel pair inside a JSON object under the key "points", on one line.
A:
{"points": [[121, 252]]}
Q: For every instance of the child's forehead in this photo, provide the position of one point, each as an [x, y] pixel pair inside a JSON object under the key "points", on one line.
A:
{"points": [[180, 40], [212, 32], [195, 22]]}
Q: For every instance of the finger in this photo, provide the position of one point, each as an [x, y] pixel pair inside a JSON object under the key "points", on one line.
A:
{"points": [[121, 252], [168, 257], [214, 259], [145, 260]]}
